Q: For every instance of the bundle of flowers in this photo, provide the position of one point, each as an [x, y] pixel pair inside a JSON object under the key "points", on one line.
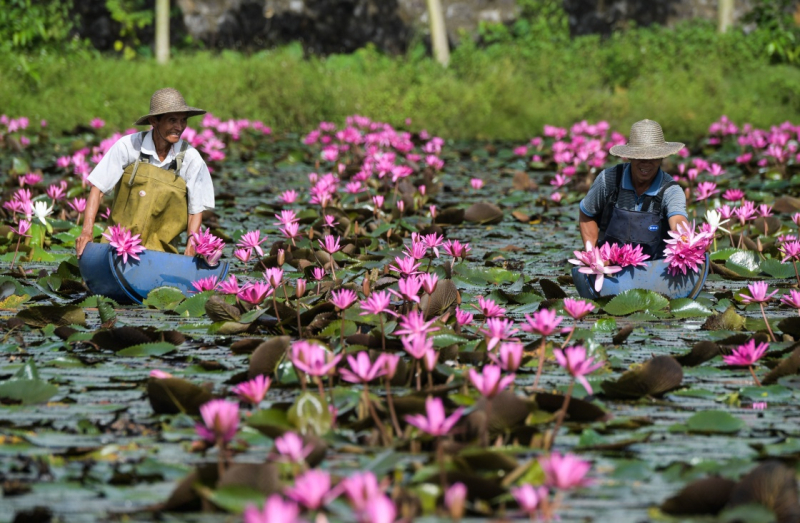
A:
{"points": [[127, 244]]}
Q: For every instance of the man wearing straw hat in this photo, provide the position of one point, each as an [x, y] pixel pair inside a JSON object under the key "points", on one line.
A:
{"points": [[162, 183], [635, 202]]}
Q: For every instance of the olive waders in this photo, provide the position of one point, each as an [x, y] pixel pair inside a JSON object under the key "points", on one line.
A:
{"points": [[151, 201]]}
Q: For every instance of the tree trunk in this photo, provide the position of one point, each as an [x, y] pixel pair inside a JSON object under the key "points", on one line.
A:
{"points": [[162, 31], [725, 14], [441, 49]]}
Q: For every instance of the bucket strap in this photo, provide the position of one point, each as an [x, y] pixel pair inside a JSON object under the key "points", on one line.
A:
{"points": [[605, 218]]}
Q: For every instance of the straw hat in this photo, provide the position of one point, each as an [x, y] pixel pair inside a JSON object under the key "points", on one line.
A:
{"points": [[168, 100], [646, 143]]}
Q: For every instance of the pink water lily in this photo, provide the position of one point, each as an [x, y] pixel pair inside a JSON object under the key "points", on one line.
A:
{"points": [[360, 488], [206, 284], [221, 420], [255, 292], [405, 266], [496, 330], [362, 369], [377, 303], [292, 447], [435, 422], [686, 248], [312, 489], [253, 391], [564, 472], [489, 308], [575, 361], [252, 240], [595, 264], [414, 323], [313, 359], [577, 309], [490, 381], [275, 509], [124, 242], [529, 497], [758, 293], [343, 298], [747, 354], [544, 322], [508, 355]]}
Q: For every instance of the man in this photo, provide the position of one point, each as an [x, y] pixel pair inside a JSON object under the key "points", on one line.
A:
{"points": [[635, 202], [162, 183]]}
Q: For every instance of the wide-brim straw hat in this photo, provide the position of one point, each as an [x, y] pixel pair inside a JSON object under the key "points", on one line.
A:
{"points": [[646, 142], [168, 100]]}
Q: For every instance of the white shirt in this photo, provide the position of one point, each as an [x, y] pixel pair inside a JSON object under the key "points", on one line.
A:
{"points": [[200, 189]]}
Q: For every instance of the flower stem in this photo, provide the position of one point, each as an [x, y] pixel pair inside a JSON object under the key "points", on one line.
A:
{"points": [[440, 460], [372, 412], [562, 413], [569, 336], [764, 315], [16, 251], [541, 363], [797, 275], [753, 373], [383, 335], [390, 403]]}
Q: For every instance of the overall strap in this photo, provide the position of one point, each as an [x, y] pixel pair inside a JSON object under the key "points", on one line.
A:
{"points": [[605, 219], [143, 158], [179, 157], [657, 199]]}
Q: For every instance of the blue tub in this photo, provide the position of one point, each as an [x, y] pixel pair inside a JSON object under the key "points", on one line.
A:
{"points": [[106, 275], [654, 277]]}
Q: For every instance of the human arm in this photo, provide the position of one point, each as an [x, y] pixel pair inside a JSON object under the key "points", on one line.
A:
{"points": [[193, 226], [675, 220], [589, 229], [89, 215]]}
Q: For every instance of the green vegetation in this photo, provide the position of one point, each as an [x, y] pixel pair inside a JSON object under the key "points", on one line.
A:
{"points": [[506, 85]]}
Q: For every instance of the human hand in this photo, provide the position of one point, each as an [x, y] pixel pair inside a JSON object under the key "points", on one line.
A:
{"points": [[80, 243]]}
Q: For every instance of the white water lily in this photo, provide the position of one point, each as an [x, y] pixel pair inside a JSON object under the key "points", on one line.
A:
{"points": [[714, 219], [42, 211]]}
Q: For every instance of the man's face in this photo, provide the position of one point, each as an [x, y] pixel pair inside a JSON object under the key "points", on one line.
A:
{"points": [[169, 126], [643, 172]]}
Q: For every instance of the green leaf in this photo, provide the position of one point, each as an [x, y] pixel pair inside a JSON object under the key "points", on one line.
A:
{"points": [[743, 263], [687, 308], [446, 339], [235, 498], [148, 349], [252, 315], [724, 254], [634, 300], [714, 422], [769, 393], [194, 307], [28, 391], [270, 418], [310, 414], [605, 325], [164, 298], [776, 269], [333, 330], [106, 311]]}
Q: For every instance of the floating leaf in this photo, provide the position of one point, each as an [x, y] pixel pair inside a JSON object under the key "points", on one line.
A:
{"points": [[164, 298], [56, 314], [655, 377], [704, 496], [195, 306], [729, 320], [635, 300], [743, 263], [267, 356], [772, 485], [482, 213], [714, 422], [175, 395], [148, 349], [686, 308], [26, 387], [776, 269]]}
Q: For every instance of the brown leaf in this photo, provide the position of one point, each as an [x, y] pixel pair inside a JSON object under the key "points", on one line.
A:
{"points": [[483, 213], [704, 496], [267, 356], [655, 377]]}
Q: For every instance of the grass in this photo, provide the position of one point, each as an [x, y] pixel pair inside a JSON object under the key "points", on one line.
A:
{"points": [[505, 91]]}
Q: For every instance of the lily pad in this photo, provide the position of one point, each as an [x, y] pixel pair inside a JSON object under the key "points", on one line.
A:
{"points": [[635, 300], [164, 298], [686, 308], [714, 422]]}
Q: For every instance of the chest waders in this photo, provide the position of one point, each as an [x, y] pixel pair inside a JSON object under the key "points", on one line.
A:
{"points": [[646, 227], [151, 201]]}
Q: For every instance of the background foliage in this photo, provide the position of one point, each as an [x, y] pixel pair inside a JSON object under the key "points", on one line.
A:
{"points": [[504, 84]]}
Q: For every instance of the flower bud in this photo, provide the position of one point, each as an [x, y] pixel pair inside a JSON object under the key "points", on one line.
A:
{"points": [[300, 288], [365, 286], [281, 257]]}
